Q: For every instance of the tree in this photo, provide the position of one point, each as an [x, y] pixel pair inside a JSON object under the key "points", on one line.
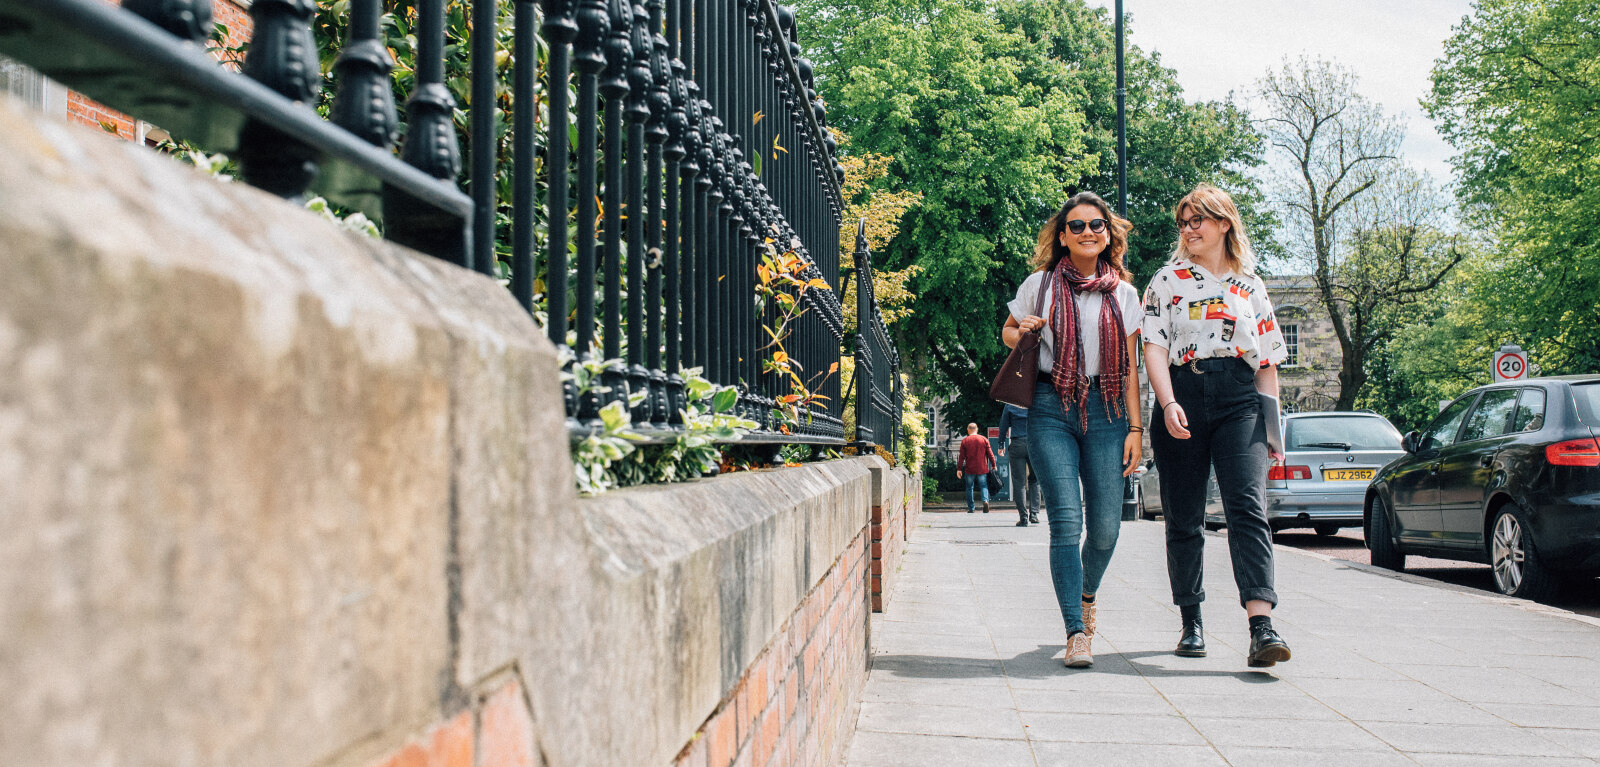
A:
{"points": [[1369, 227], [993, 112], [1173, 144], [1518, 95], [940, 86]]}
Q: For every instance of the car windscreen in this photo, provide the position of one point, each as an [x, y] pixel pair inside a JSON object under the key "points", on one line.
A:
{"points": [[1587, 396], [1334, 432]]}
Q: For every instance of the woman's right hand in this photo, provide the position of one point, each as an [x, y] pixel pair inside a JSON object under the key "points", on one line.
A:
{"points": [[1031, 323], [1177, 422]]}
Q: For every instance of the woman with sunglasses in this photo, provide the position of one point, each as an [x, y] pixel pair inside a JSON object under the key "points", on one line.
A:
{"points": [[1083, 427], [1211, 343]]}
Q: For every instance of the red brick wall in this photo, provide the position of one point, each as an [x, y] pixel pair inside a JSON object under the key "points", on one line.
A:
{"points": [[496, 731], [797, 703], [888, 542], [89, 112]]}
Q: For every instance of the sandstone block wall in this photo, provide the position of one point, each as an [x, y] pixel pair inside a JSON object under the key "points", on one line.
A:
{"points": [[281, 495]]}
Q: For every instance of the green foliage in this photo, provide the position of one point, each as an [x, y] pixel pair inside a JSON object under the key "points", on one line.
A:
{"points": [[611, 458], [992, 112], [1517, 93]]}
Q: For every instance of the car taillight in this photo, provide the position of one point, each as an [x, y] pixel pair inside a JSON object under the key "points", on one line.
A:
{"points": [[1279, 473], [1573, 452]]}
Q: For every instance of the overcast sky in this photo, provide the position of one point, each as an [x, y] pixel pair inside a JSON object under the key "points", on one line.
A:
{"points": [[1222, 46]]}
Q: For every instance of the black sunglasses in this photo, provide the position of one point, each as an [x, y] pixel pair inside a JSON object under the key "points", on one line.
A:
{"points": [[1095, 225]]}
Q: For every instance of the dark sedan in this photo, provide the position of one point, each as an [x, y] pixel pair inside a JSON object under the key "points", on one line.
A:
{"points": [[1508, 474]]}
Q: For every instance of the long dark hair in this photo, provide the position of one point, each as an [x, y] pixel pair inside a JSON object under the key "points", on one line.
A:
{"points": [[1050, 251]]}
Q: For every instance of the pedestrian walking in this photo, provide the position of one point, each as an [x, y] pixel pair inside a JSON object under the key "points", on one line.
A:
{"points": [[1211, 344], [1083, 427], [974, 464], [1024, 482]]}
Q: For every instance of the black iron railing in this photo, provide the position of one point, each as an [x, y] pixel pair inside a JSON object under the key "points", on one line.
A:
{"points": [[877, 361], [700, 143]]}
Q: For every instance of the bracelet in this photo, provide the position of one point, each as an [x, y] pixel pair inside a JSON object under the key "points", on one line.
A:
{"points": [[1169, 404], [1139, 429]]}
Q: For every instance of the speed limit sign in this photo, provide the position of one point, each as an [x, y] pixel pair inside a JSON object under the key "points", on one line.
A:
{"points": [[1510, 364]]}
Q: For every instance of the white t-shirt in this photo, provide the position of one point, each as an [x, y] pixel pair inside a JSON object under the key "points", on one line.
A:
{"points": [[1088, 319], [1197, 315]]}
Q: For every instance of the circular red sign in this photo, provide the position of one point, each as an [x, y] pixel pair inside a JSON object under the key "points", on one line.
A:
{"points": [[1511, 365]]}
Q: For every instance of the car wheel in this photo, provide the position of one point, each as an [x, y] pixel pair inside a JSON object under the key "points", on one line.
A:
{"points": [[1327, 530], [1518, 570], [1380, 541]]}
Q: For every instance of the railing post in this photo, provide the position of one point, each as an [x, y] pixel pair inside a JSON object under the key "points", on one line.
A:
{"points": [[657, 133], [282, 57], [363, 102], [560, 29], [485, 144], [590, 57]]}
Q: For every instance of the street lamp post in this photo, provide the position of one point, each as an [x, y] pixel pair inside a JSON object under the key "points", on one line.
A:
{"points": [[1122, 125]]}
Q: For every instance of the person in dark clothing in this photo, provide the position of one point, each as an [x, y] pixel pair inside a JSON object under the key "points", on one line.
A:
{"points": [[1024, 482], [974, 463]]}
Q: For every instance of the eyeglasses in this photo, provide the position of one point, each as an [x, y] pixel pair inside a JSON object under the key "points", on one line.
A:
{"points": [[1095, 225], [1192, 222]]}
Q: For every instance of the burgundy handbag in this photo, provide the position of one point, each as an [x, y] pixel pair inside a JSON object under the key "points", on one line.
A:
{"points": [[1014, 383]]}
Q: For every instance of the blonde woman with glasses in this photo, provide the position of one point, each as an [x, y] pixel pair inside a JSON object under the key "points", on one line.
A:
{"points": [[1211, 343]]}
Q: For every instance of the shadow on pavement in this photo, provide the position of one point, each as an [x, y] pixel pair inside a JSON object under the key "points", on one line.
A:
{"points": [[1045, 663]]}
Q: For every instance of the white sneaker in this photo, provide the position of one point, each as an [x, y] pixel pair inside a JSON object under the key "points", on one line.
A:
{"points": [[1078, 655]]}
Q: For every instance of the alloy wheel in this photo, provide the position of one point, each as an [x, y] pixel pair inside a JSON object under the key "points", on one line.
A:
{"points": [[1508, 554]]}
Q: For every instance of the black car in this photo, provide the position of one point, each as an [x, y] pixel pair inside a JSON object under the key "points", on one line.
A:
{"points": [[1509, 475]]}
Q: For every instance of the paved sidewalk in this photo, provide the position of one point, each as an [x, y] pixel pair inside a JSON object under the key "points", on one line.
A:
{"points": [[967, 666]]}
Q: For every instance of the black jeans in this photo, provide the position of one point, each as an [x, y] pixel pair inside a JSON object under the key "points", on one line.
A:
{"points": [[1226, 431], [1024, 482]]}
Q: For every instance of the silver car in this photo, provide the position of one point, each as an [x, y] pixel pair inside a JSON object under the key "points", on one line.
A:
{"points": [[1328, 460]]}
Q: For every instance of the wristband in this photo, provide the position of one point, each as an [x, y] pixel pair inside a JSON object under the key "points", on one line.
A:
{"points": [[1139, 429], [1169, 404]]}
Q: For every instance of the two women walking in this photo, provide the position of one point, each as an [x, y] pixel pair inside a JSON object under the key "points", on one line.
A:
{"points": [[1211, 343]]}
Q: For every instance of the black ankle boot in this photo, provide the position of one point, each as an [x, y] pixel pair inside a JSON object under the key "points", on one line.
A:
{"points": [[1023, 522], [1193, 642], [1267, 649]]}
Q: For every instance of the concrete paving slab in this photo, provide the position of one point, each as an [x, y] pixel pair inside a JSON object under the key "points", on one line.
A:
{"points": [[967, 667], [919, 719], [884, 749], [1079, 754]]}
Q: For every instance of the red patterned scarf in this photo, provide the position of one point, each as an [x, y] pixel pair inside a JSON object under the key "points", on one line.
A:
{"points": [[1066, 371]]}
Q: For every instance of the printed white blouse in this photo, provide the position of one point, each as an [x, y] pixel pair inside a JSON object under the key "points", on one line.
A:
{"points": [[1197, 315]]}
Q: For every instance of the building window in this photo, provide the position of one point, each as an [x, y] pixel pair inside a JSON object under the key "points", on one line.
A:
{"points": [[1291, 343], [933, 426], [28, 86]]}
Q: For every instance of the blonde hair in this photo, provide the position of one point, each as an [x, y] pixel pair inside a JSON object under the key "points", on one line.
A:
{"points": [[1049, 251], [1211, 202]]}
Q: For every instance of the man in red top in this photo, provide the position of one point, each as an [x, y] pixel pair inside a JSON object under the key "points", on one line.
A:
{"points": [[974, 464]]}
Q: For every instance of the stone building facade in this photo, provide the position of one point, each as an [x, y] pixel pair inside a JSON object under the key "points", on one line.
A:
{"points": [[1308, 380]]}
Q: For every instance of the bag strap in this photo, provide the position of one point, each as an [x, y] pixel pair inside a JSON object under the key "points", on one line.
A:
{"points": [[1044, 291]]}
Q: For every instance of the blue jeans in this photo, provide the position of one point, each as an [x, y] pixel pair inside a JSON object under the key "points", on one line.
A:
{"points": [[982, 481], [1066, 457]]}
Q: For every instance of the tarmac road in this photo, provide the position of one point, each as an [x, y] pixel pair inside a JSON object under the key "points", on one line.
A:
{"points": [[1348, 545]]}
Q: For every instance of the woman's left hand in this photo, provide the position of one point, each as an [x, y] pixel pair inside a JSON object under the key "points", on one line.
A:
{"points": [[1132, 450]]}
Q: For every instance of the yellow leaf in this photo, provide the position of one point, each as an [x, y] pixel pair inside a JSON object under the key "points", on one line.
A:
{"points": [[777, 148], [780, 357], [818, 283], [758, 118], [834, 368]]}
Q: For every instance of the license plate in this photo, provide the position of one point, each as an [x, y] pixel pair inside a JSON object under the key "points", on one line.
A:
{"points": [[1346, 475]]}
